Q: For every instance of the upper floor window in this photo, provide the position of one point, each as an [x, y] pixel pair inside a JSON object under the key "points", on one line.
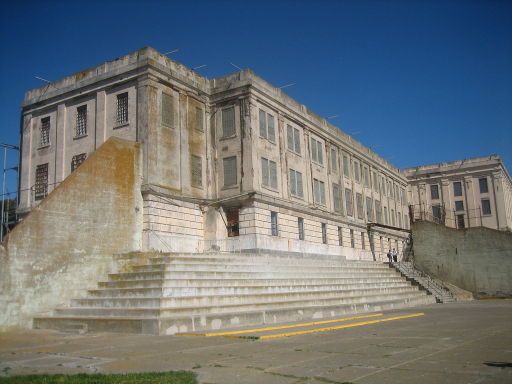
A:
{"points": [[77, 160], [167, 110], [293, 138], [348, 202], [334, 160], [434, 192], [45, 132], [369, 209], [296, 183], [378, 212], [228, 122], [484, 188], [375, 182], [366, 177], [336, 198], [199, 119], [319, 191], [122, 109], [41, 185], [457, 188], [81, 121], [346, 166], [486, 207], [230, 173], [357, 171], [268, 173], [359, 204], [317, 151], [459, 205], [196, 170], [267, 129]]}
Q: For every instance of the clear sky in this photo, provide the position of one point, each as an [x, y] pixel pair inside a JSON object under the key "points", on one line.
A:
{"points": [[418, 81]]}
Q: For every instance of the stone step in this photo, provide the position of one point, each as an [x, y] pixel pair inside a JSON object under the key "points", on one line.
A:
{"points": [[170, 291], [205, 282], [215, 321]]}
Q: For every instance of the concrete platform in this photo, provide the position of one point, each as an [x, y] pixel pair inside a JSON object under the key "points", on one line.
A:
{"points": [[453, 343]]}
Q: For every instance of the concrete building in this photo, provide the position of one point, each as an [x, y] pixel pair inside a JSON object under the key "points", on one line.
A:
{"points": [[230, 163], [463, 194]]}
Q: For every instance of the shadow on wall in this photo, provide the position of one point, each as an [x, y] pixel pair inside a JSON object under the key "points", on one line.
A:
{"points": [[476, 259], [67, 241]]}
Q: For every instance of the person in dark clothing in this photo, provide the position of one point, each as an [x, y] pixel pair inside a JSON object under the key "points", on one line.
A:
{"points": [[389, 256]]}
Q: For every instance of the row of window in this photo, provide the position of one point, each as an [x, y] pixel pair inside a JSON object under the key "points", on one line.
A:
{"points": [[274, 230], [457, 188], [485, 205]]}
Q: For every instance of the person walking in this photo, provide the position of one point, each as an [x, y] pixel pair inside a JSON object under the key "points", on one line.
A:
{"points": [[389, 256], [394, 253]]}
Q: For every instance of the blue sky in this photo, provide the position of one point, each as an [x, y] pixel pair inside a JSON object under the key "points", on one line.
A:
{"points": [[418, 81]]}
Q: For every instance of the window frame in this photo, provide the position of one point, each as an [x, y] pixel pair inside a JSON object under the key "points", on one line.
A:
{"points": [[44, 132], [235, 182], [294, 186], [265, 125], [81, 122], [271, 171], [224, 133], [122, 112], [484, 213], [480, 179], [319, 186], [295, 139]]}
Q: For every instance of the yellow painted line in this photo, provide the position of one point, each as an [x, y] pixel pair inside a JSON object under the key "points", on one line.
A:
{"points": [[280, 335], [255, 330]]}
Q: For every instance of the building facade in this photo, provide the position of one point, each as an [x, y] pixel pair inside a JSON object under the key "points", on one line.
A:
{"points": [[463, 194], [230, 163]]}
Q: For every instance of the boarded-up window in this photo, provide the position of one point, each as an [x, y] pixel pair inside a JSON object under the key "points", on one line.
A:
{"points": [[349, 202], [296, 183], [230, 174], [41, 185], [45, 132], [317, 151], [336, 198], [122, 109], [199, 119], [77, 160], [167, 110], [359, 204], [319, 191], [267, 127], [268, 173], [293, 138], [369, 209], [228, 122], [81, 121], [196, 169]]}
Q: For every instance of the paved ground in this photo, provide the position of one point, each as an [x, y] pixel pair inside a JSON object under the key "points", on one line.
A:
{"points": [[452, 343]]}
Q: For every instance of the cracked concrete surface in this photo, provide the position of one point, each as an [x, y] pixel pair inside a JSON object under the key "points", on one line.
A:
{"points": [[453, 343]]}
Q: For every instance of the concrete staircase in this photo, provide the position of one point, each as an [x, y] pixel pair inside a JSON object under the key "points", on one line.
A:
{"points": [[171, 293]]}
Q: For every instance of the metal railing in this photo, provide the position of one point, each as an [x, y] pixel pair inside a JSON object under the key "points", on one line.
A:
{"points": [[437, 213]]}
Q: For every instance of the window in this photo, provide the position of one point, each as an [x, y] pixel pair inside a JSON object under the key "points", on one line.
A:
{"points": [[300, 224], [229, 164], [457, 188], [45, 132], [386, 218], [403, 196], [346, 166], [486, 207], [378, 212], [460, 222], [369, 209], [228, 122], [122, 109], [459, 205], [319, 191], [388, 184], [199, 119], [267, 129], [352, 240], [334, 160], [336, 198], [359, 204], [363, 245], [340, 236], [293, 136], [81, 121], [41, 185], [167, 110], [436, 213], [406, 221], [366, 176], [77, 160], [348, 202], [484, 188], [273, 223], [397, 197], [296, 183], [196, 168], [375, 182], [268, 173], [399, 215], [393, 217], [317, 151], [357, 171], [324, 233]]}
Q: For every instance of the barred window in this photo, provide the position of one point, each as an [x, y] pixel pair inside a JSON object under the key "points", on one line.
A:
{"points": [[196, 167], [293, 136], [363, 246], [296, 183], [77, 160], [41, 185], [273, 223], [334, 160], [319, 191], [267, 129], [230, 173], [81, 121], [122, 109], [228, 122], [359, 204], [300, 224], [348, 202], [317, 151], [268, 173], [324, 233], [340, 236], [369, 209], [45, 131], [336, 198], [352, 240], [199, 119], [167, 110]]}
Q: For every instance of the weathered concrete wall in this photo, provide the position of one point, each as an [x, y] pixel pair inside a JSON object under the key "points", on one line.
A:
{"points": [[477, 259], [66, 243]]}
